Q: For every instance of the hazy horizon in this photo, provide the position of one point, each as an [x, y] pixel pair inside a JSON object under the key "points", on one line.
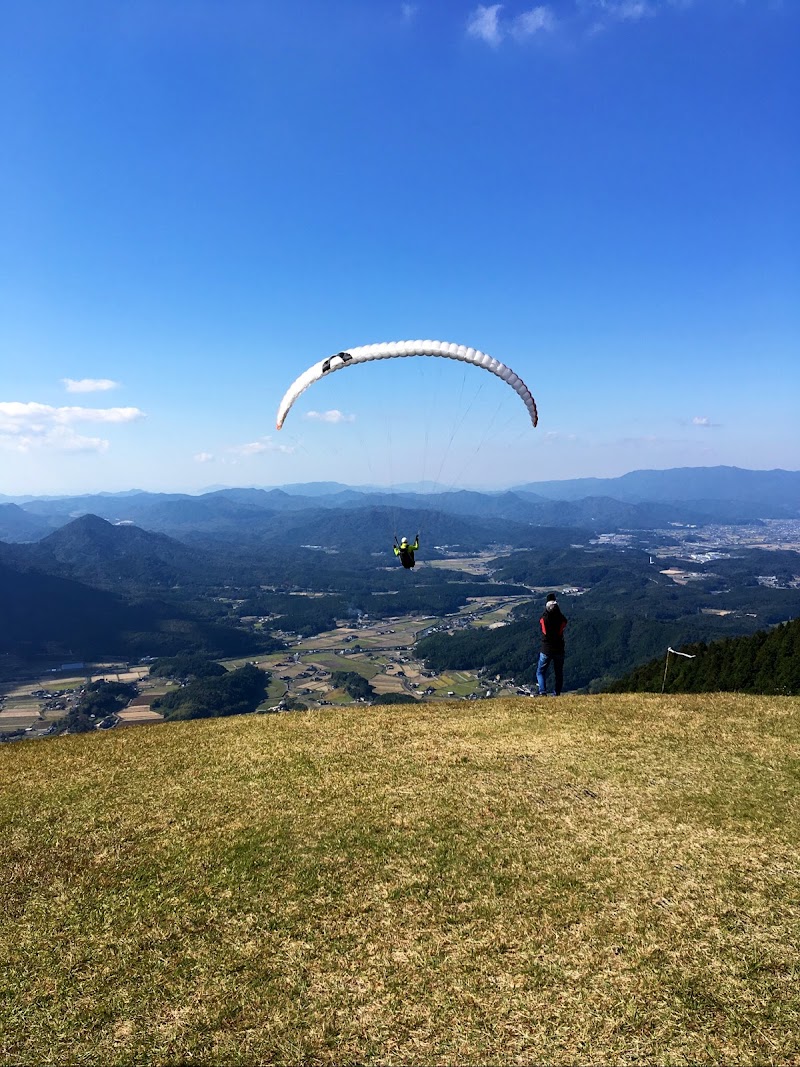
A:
{"points": [[429, 487]]}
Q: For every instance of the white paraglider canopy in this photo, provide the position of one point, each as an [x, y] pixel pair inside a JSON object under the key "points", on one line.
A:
{"points": [[398, 349]]}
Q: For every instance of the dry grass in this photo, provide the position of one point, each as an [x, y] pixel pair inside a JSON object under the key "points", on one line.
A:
{"points": [[593, 880]]}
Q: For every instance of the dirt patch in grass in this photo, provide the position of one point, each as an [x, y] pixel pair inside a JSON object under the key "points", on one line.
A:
{"points": [[388, 683], [135, 714]]}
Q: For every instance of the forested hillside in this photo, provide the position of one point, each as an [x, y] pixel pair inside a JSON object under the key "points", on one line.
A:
{"points": [[767, 662], [600, 646], [627, 613], [47, 616], [247, 570]]}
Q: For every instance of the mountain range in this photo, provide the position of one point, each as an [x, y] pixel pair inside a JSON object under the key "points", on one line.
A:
{"points": [[148, 573], [638, 500], [770, 490]]}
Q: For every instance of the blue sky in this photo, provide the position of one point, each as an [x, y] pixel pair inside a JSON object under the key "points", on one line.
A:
{"points": [[200, 199]]}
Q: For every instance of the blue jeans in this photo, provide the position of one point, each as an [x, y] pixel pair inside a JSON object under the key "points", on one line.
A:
{"points": [[543, 668]]}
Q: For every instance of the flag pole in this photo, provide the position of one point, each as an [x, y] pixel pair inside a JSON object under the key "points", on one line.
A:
{"points": [[686, 655]]}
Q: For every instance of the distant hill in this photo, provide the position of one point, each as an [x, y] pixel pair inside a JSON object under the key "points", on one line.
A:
{"points": [[593, 513], [767, 662], [91, 590], [93, 550], [313, 488], [372, 529], [251, 511], [764, 494], [638, 500], [47, 616], [17, 524], [129, 551], [112, 506]]}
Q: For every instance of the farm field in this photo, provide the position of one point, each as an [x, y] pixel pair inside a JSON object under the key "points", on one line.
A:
{"points": [[31, 705], [36, 704], [605, 880], [479, 563], [378, 650]]}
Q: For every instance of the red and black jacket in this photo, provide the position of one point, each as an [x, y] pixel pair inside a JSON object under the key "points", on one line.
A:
{"points": [[552, 624]]}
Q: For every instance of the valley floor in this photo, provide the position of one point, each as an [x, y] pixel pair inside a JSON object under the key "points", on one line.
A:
{"points": [[382, 651]]}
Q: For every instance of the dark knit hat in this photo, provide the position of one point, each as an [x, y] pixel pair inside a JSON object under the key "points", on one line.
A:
{"points": [[550, 596]]}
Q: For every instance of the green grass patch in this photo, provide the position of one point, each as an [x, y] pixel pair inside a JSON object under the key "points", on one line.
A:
{"points": [[493, 617], [270, 662], [338, 696], [275, 691], [608, 879], [359, 664], [461, 684]]}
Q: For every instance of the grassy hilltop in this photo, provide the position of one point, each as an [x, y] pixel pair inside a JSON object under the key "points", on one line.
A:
{"points": [[597, 879]]}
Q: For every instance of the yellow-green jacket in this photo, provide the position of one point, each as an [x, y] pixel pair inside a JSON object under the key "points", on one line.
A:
{"points": [[406, 552]]}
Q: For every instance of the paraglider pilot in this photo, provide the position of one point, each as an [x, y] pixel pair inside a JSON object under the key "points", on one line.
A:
{"points": [[406, 551]]}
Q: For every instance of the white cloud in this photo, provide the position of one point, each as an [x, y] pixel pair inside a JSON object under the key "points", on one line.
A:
{"points": [[487, 25], [88, 385], [495, 23], [484, 23], [67, 415], [251, 449], [556, 435], [622, 10], [334, 416], [203, 457], [14, 414], [65, 439], [703, 420], [533, 21], [632, 10], [263, 444], [409, 12], [24, 426]]}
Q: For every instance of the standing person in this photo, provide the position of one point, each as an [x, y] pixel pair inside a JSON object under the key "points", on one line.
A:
{"points": [[552, 624], [406, 551]]}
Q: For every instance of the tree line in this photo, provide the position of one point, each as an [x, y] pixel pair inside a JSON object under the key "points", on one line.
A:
{"points": [[237, 692], [357, 686], [764, 663]]}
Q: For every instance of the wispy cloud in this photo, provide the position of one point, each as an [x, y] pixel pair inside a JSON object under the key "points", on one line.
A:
{"points": [[495, 23], [537, 20], [203, 457], [625, 10], [703, 420], [491, 25], [605, 13], [409, 12], [25, 426], [484, 24], [333, 416], [255, 448], [88, 385]]}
